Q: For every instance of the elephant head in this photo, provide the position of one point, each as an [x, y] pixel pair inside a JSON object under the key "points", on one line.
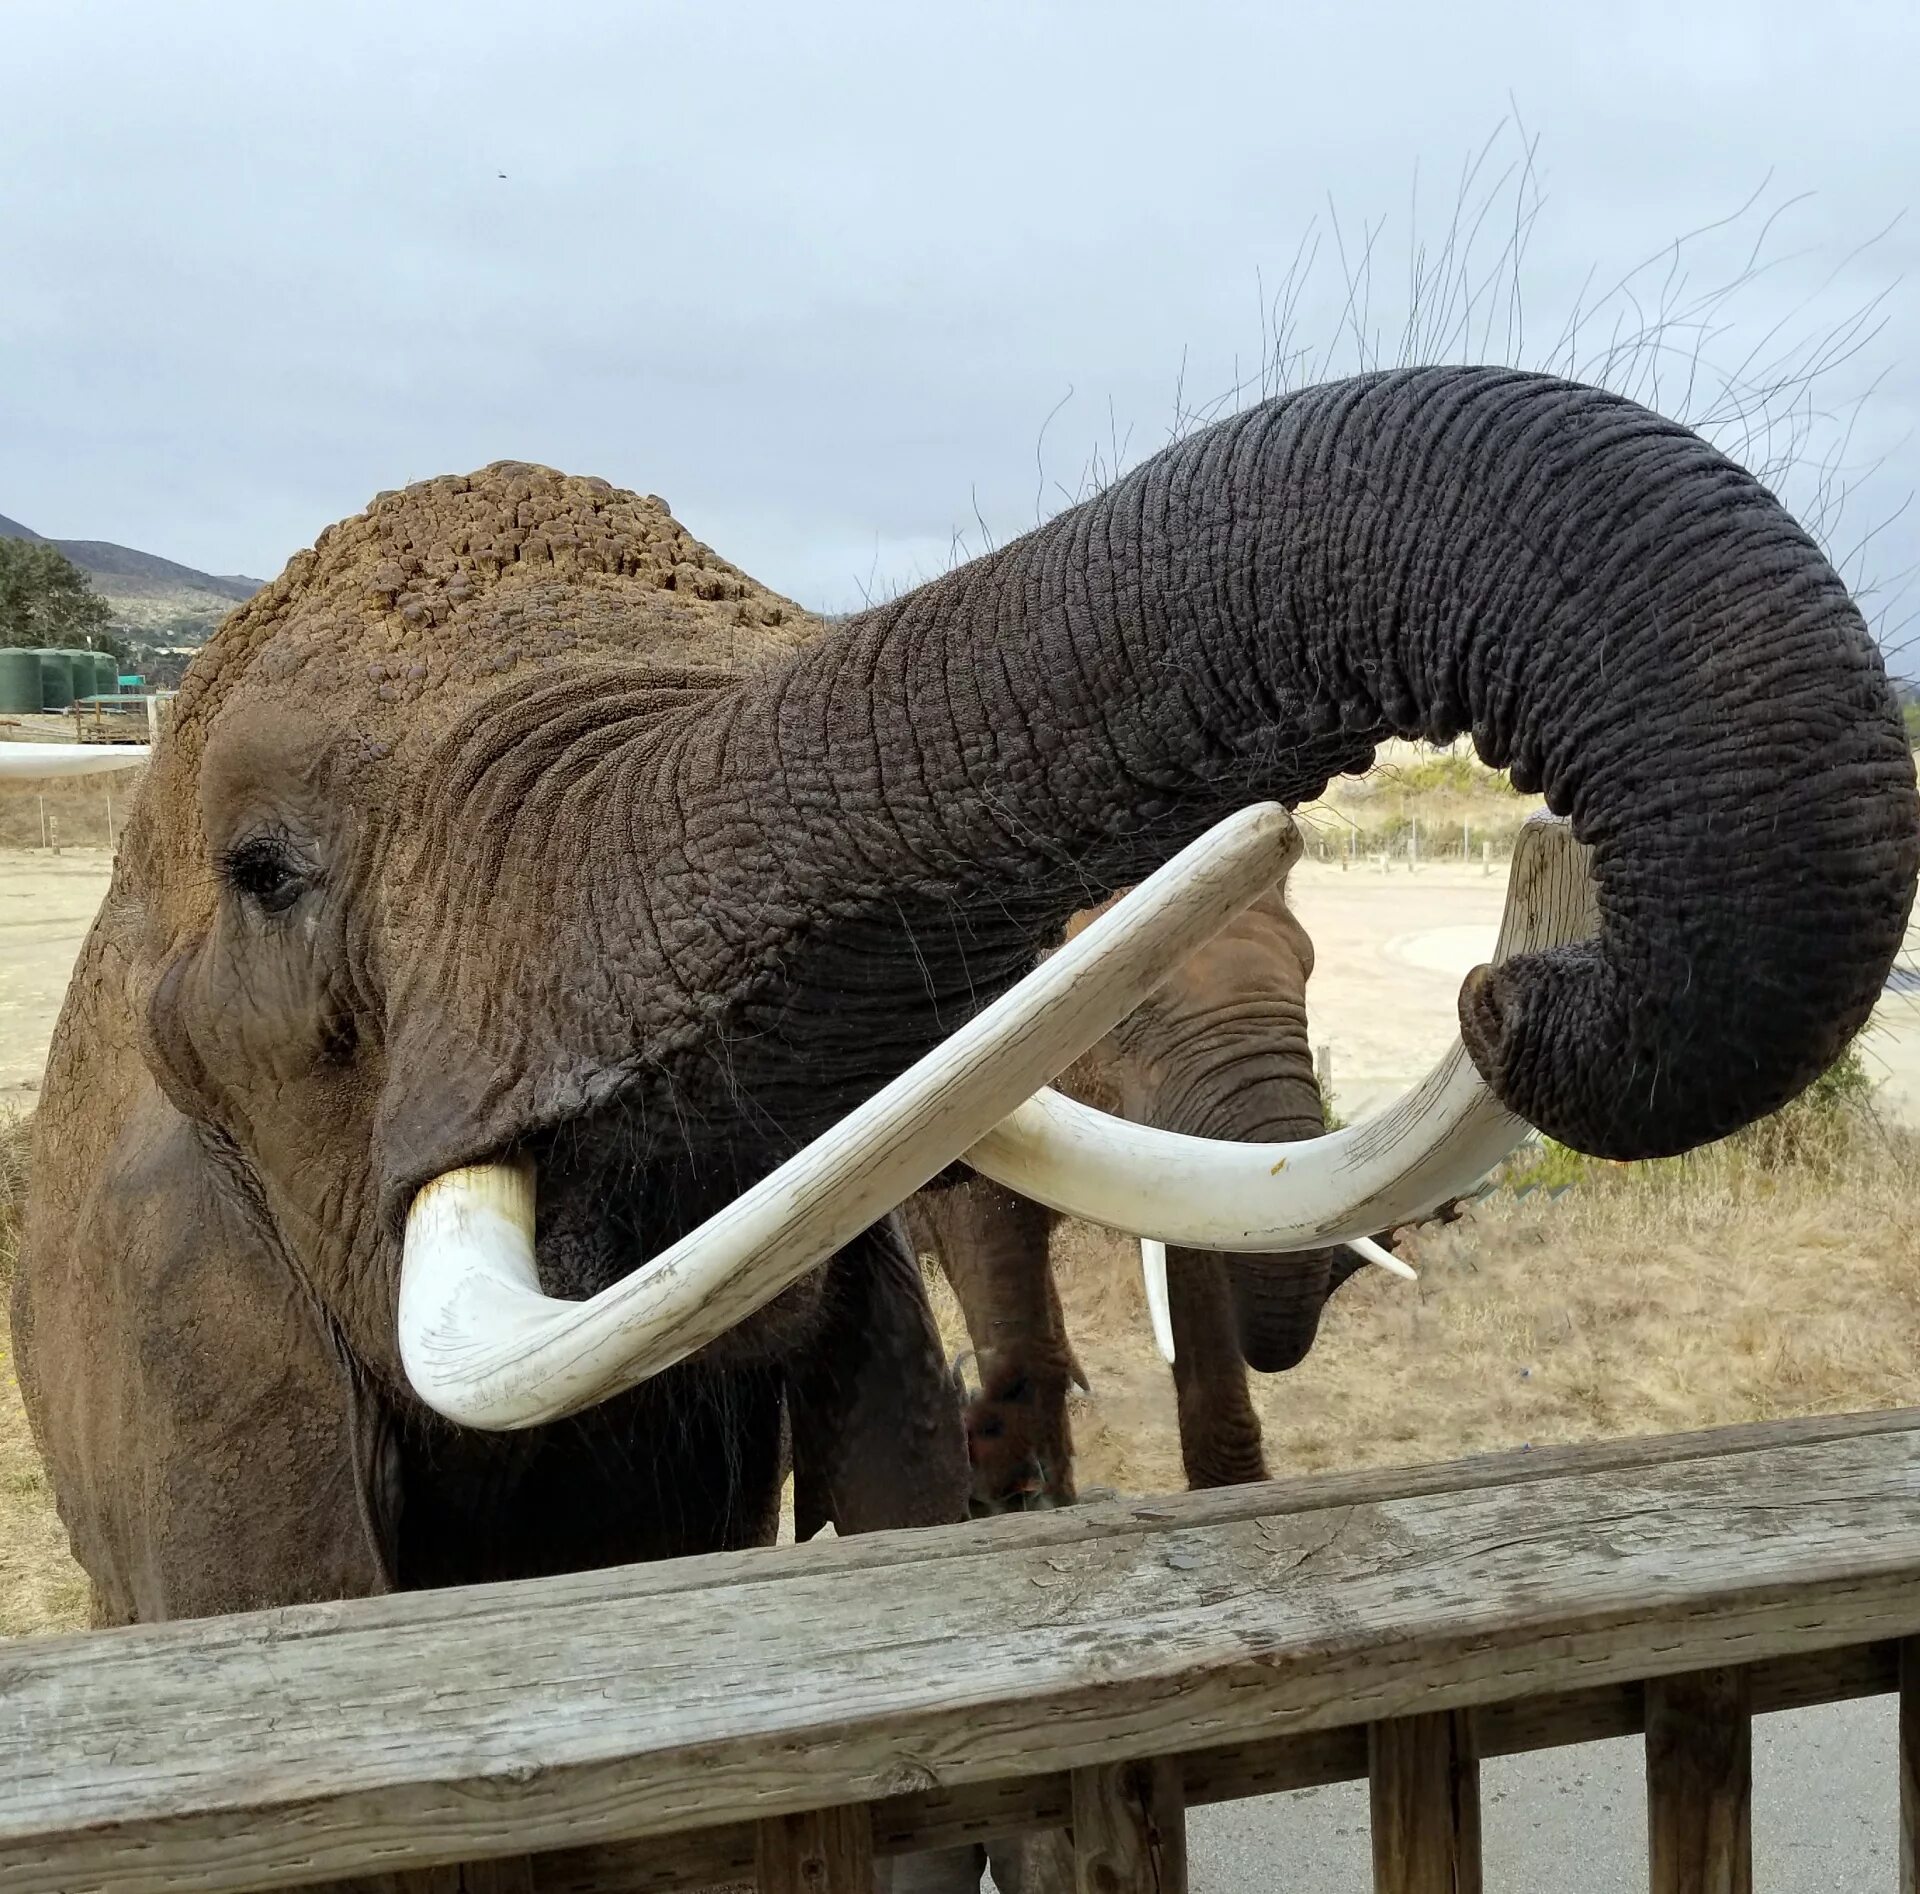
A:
{"points": [[452, 860], [1220, 1050]]}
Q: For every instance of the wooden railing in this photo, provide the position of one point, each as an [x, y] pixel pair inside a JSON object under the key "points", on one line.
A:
{"points": [[796, 1712]]}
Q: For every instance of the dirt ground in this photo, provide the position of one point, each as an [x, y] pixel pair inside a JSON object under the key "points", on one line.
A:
{"points": [[1649, 1297]]}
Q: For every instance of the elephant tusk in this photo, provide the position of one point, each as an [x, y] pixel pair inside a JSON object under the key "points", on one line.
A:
{"points": [[1369, 1251], [1389, 1169], [1153, 1273], [482, 1345], [1153, 1268]]}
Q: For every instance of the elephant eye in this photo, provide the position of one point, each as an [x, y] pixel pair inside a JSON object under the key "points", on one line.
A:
{"points": [[266, 871]]}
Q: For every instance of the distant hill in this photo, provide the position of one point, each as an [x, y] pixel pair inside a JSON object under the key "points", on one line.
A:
{"points": [[155, 601]]}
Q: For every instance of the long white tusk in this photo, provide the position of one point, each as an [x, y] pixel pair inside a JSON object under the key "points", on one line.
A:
{"points": [[1389, 1169], [1369, 1251], [1153, 1268], [67, 759], [1153, 1274], [484, 1346]]}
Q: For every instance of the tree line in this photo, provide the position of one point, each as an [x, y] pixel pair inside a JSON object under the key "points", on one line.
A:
{"points": [[46, 600]]}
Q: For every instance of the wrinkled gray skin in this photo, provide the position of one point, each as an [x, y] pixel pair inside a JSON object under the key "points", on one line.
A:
{"points": [[439, 864], [1220, 1050]]}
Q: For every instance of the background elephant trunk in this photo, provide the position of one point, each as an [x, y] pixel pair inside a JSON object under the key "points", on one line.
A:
{"points": [[1222, 1051], [1617, 613]]}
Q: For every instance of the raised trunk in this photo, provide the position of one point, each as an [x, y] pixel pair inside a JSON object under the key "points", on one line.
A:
{"points": [[1618, 614]]}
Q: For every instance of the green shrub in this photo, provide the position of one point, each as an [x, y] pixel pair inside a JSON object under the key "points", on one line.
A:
{"points": [[1814, 1130]]}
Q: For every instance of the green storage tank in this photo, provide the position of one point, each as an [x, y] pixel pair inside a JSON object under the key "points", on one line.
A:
{"points": [[19, 682], [56, 680], [81, 662], [106, 675]]}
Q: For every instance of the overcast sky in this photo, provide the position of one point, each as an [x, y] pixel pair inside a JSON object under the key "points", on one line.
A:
{"points": [[820, 275]]}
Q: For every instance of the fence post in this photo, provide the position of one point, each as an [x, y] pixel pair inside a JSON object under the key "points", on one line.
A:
{"points": [[1424, 1777], [822, 1851], [1129, 1829], [1699, 1783], [1910, 1766]]}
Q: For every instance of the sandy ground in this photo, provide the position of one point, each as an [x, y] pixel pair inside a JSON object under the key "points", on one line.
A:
{"points": [[47, 903], [1393, 945]]}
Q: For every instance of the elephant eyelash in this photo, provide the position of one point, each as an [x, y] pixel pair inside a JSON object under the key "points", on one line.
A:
{"points": [[266, 871]]}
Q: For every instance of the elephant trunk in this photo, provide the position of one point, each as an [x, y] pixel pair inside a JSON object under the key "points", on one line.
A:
{"points": [[1619, 615]]}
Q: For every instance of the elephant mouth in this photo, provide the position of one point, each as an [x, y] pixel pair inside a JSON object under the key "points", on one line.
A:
{"points": [[486, 1340]]}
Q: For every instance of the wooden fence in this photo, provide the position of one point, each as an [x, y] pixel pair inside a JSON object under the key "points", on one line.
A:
{"points": [[797, 1712]]}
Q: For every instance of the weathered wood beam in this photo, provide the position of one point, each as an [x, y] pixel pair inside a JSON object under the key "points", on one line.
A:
{"points": [[1424, 1792], [819, 1851], [1700, 1783], [1910, 1766], [940, 1818], [396, 1734], [1129, 1829]]}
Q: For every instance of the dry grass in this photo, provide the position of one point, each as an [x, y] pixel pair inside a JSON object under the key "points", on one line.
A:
{"points": [[41, 1589], [1458, 803], [75, 810], [1778, 1274]]}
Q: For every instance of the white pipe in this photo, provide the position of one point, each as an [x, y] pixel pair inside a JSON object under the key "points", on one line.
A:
{"points": [[484, 1346], [33, 760]]}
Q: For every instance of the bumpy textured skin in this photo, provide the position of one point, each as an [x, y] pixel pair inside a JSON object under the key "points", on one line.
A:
{"points": [[546, 887]]}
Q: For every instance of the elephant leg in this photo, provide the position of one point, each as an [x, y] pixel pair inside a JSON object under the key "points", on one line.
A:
{"points": [[876, 1428], [1219, 1431], [878, 1443], [993, 1245]]}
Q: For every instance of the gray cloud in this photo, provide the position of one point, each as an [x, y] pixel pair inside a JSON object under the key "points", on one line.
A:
{"points": [[820, 276]]}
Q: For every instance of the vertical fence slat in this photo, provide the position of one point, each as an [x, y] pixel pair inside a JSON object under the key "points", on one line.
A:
{"points": [[822, 1851], [1700, 1783], [1130, 1829], [1910, 1766], [1424, 1777]]}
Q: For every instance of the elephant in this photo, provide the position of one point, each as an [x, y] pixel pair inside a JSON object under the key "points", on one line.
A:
{"points": [[472, 899], [1219, 1050]]}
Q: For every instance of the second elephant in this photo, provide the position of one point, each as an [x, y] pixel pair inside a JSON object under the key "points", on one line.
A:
{"points": [[1219, 1051]]}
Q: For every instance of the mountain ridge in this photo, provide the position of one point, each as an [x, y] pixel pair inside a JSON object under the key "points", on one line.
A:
{"points": [[129, 572]]}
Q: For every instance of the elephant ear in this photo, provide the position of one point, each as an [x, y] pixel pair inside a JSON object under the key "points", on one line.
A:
{"points": [[211, 1445]]}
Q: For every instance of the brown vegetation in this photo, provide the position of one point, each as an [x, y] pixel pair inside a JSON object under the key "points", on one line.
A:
{"points": [[1775, 1274], [75, 810], [41, 1589], [1457, 804]]}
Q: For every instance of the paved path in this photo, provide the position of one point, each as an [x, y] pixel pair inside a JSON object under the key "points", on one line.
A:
{"points": [[1825, 1818], [1392, 946]]}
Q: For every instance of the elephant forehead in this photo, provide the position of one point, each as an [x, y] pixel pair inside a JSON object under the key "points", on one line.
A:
{"points": [[442, 588]]}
